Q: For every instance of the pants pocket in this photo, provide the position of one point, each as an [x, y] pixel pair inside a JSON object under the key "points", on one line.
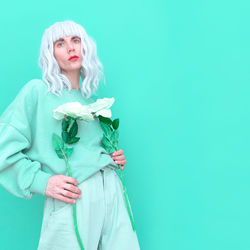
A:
{"points": [[59, 232], [59, 206]]}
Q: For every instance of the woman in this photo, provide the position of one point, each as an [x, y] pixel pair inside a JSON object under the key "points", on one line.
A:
{"points": [[29, 164]]}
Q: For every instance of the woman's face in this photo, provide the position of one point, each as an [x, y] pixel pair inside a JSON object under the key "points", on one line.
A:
{"points": [[64, 49]]}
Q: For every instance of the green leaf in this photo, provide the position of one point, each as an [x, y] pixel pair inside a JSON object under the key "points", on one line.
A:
{"points": [[109, 150], [59, 153], [69, 118], [106, 143], [73, 140], [57, 142], [105, 119], [68, 151], [64, 125], [114, 137], [73, 130], [65, 136], [115, 145], [115, 123], [106, 129]]}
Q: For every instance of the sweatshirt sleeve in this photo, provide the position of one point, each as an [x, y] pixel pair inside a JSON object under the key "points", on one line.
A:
{"points": [[19, 174]]}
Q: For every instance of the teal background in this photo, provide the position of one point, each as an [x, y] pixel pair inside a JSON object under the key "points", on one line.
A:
{"points": [[179, 71]]}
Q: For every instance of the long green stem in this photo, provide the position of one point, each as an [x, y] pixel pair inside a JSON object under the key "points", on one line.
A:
{"points": [[127, 202], [126, 197], [74, 205]]}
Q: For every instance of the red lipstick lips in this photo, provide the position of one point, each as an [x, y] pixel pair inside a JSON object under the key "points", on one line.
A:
{"points": [[73, 58]]}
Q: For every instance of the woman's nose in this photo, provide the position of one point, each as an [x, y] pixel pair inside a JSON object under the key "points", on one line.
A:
{"points": [[70, 47]]}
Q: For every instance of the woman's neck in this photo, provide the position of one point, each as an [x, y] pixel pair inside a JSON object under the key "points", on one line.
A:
{"points": [[74, 78]]}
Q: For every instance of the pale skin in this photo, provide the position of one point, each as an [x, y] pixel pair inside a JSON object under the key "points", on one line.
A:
{"points": [[64, 187]]}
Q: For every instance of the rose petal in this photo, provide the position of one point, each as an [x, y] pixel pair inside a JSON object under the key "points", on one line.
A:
{"points": [[104, 112]]}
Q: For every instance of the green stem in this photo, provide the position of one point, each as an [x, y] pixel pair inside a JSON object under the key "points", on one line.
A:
{"points": [[71, 124], [76, 227], [113, 147], [67, 164], [126, 197], [74, 205]]}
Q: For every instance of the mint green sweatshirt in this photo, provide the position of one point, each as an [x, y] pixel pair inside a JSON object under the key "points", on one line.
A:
{"points": [[27, 157]]}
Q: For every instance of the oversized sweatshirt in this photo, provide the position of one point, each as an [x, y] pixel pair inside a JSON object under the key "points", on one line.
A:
{"points": [[27, 156]]}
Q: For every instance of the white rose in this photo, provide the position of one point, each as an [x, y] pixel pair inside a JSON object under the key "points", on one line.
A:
{"points": [[104, 112], [101, 104], [73, 109]]}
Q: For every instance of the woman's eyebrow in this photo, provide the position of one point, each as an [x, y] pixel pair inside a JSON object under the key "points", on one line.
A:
{"points": [[61, 39]]}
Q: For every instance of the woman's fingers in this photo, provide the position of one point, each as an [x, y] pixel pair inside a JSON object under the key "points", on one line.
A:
{"points": [[116, 153], [123, 162], [72, 188], [63, 198], [119, 158], [70, 194], [63, 188], [69, 179]]}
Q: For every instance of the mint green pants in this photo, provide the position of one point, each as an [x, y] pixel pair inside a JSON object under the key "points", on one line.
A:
{"points": [[102, 217]]}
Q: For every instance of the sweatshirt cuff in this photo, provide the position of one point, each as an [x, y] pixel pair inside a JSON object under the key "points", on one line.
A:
{"points": [[40, 182]]}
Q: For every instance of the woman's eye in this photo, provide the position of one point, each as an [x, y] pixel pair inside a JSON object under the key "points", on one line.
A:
{"points": [[58, 45], [77, 40]]}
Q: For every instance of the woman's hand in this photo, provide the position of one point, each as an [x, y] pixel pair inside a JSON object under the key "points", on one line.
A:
{"points": [[119, 158], [63, 188]]}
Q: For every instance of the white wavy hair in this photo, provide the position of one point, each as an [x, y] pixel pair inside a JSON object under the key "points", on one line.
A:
{"points": [[91, 68]]}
